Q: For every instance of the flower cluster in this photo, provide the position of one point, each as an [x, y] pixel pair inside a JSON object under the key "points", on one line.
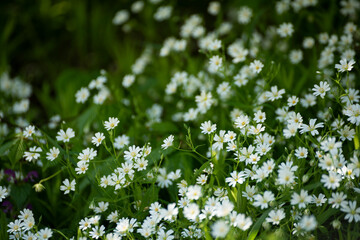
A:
{"points": [[232, 130]]}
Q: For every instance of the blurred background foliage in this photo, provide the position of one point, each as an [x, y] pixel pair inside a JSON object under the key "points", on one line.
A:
{"points": [[41, 38], [52, 43]]}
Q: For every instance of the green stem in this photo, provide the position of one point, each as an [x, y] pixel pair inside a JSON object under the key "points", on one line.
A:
{"points": [[356, 139], [45, 179]]}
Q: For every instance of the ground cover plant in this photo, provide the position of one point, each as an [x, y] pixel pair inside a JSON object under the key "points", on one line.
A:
{"points": [[180, 120]]}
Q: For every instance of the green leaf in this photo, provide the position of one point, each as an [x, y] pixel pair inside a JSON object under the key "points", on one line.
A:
{"points": [[256, 227], [325, 215], [17, 151], [323, 230], [201, 169], [6, 146], [86, 118], [312, 186], [150, 196], [65, 92], [3, 223], [20, 194]]}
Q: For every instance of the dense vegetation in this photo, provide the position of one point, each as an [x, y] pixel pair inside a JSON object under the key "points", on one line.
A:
{"points": [[179, 119]]}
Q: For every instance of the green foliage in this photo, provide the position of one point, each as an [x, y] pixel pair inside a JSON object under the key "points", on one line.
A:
{"points": [[66, 65]]}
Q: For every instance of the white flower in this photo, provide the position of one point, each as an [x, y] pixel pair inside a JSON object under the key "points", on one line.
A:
{"points": [[155, 209], [82, 167], [65, 136], [243, 222], [346, 133], [170, 213], [353, 113], [97, 231], [308, 223], [137, 6], [191, 115], [68, 186], [121, 141], [45, 233], [32, 154], [259, 117], [98, 138], [204, 101], [3, 193], [352, 213], [242, 121], [215, 63], [82, 95], [112, 123], [98, 83], [163, 13], [214, 8], [244, 15], [321, 89], [274, 93], [207, 127], [191, 211], [163, 179], [168, 235], [84, 224], [53, 154], [87, 154], [14, 226], [224, 208], [300, 199], [113, 217], [312, 128], [331, 181], [29, 130], [308, 42], [121, 17], [168, 142], [194, 192], [133, 153], [215, 45], [235, 178], [141, 164], [285, 29], [263, 201], [286, 177], [128, 80], [320, 200], [256, 130], [275, 216], [308, 100], [256, 66], [296, 56], [292, 101], [344, 65], [103, 206], [220, 229], [337, 199], [301, 152], [202, 179], [230, 136], [219, 140]]}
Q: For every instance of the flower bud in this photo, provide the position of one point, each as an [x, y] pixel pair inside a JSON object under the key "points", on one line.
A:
{"points": [[38, 187], [307, 212], [266, 225], [336, 224], [312, 162], [305, 178]]}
